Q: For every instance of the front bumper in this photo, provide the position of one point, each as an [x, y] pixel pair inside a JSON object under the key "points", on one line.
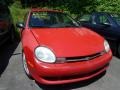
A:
{"points": [[70, 72]]}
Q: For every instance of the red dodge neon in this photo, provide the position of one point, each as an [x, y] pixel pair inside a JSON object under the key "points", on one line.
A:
{"points": [[56, 50]]}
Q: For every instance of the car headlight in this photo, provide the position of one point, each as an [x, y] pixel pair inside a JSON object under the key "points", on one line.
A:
{"points": [[106, 45], [44, 54]]}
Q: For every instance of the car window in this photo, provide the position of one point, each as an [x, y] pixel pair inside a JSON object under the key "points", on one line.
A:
{"points": [[51, 19], [103, 19], [85, 18], [116, 17]]}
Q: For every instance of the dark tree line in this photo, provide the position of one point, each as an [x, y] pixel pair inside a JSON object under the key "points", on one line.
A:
{"points": [[73, 6]]}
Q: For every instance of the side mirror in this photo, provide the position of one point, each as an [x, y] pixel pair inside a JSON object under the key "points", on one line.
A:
{"points": [[20, 25]]}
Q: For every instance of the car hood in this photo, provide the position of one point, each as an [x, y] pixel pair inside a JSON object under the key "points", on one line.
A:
{"points": [[69, 42]]}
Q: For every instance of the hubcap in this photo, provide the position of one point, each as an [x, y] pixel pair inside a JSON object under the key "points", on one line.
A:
{"points": [[25, 64]]}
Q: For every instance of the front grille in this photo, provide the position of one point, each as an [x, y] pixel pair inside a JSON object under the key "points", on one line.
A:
{"points": [[82, 58]]}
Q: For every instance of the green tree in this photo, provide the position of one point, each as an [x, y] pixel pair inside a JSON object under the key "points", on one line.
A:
{"points": [[109, 6]]}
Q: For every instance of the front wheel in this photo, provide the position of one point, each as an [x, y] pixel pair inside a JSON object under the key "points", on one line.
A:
{"points": [[25, 66]]}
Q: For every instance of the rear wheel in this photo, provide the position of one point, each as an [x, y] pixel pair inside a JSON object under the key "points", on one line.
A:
{"points": [[25, 66]]}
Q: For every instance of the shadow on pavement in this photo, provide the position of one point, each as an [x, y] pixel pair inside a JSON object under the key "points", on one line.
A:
{"points": [[73, 85], [6, 51]]}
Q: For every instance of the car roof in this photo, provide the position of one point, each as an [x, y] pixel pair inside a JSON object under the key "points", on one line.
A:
{"points": [[44, 9], [101, 12]]}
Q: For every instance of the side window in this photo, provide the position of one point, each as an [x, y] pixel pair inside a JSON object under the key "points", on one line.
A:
{"points": [[103, 20]]}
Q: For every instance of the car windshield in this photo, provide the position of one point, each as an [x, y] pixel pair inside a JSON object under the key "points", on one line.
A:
{"points": [[116, 17], [51, 19]]}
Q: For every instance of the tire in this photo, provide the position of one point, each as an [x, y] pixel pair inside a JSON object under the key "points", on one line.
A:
{"points": [[25, 66]]}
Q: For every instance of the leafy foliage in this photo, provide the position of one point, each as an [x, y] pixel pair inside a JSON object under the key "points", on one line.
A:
{"points": [[109, 6], [73, 6]]}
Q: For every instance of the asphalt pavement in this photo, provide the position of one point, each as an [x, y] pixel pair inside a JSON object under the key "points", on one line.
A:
{"points": [[12, 76]]}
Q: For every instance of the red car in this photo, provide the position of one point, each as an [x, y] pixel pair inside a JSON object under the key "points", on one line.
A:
{"points": [[56, 50]]}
